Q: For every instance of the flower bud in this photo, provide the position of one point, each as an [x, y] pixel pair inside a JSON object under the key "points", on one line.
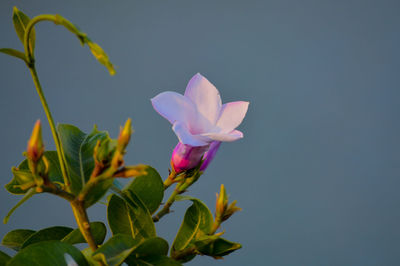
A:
{"points": [[35, 147], [186, 157], [125, 135], [232, 208], [209, 155], [222, 202]]}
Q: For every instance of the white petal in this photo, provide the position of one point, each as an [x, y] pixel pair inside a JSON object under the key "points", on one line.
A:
{"points": [[232, 114], [184, 136], [228, 137], [205, 96], [174, 107]]}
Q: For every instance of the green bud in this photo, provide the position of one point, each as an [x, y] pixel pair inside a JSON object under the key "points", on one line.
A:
{"points": [[35, 147], [125, 135], [222, 202]]}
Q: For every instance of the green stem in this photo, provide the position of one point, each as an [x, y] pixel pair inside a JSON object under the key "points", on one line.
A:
{"points": [[166, 209], [180, 188], [60, 153], [83, 223]]}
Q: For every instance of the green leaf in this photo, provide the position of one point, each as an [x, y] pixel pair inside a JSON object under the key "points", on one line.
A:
{"points": [[149, 248], [118, 216], [22, 174], [50, 233], [129, 215], [98, 230], [149, 188], [27, 196], [115, 250], [48, 253], [14, 239], [100, 55], [21, 21], [216, 248], [140, 217], [4, 258], [196, 223], [78, 149], [158, 261], [13, 52], [87, 252]]}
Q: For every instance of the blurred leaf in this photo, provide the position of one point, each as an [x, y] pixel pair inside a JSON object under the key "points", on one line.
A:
{"points": [[4, 258], [20, 21], [98, 230], [50, 233], [128, 215], [196, 223], [149, 188], [216, 247], [78, 149], [27, 196], [48, 253], [13, 52], [15, 238], [115, 250], [101, 56]]}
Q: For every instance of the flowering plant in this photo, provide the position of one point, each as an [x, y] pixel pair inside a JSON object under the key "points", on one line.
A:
{"points": [[85, 166]]}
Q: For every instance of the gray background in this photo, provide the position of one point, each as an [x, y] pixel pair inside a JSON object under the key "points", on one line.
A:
{"points": [[317, 174]]}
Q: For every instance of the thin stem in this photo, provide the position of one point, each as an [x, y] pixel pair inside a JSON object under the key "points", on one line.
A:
{"points": [[166, 209], [83, 223], [59, 192], [46, 108]]}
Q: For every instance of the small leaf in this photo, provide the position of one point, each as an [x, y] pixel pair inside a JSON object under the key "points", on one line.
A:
{"points": [[21, 21], [115, 250], [13, 52], [217, 248], [149, 188], [98, 230], [101, 56], [4, 258], [27, 196], [50, 233], [48, 253], [14, 239], [87, 252], [23, 176], [78, 149], [196, 223]]}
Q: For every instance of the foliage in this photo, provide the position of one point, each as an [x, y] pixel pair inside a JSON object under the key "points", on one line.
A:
{"points": [[82, 171]]}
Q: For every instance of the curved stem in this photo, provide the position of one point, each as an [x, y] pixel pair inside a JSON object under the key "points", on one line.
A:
{"points": [[46, 108], [166, 209]]}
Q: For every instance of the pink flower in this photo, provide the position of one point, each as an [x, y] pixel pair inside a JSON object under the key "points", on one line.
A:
{"points": [[198, 118]]}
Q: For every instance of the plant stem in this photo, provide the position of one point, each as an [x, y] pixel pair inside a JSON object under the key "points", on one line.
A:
{"points": [[46, 108], [83, 223], [167, 205], [180, 188], [215, 226]]}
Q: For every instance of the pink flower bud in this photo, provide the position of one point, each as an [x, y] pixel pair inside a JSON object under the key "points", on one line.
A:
{"points": [[209, 155], [185, 157]]}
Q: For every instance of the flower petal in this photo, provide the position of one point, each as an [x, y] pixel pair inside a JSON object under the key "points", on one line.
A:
{"points": [[184, 136], [205, 96], [174, 107], [228, 137], [232, 114]]}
